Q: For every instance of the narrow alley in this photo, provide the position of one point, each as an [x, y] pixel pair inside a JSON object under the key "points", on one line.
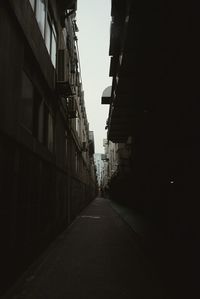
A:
{"points": [[98, 256], [99, 157]]}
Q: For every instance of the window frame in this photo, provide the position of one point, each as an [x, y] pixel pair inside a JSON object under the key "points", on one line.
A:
{"points": [[41, 112], [51, 132], [48, 18], [37, 3]]}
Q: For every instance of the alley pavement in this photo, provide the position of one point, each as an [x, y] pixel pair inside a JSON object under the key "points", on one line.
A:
{"points": [[98, 257]]}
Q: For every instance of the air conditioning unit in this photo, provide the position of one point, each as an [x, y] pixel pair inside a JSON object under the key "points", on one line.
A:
{"points": [[73, 89], [72, 108], [63, 85], [72, 114], [80, 90]]}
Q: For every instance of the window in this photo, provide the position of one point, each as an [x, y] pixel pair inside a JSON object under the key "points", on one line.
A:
{"points": [[77, 125], [40, 129], [51, 40], [32, 2], [35, 115], [47, 26], [48, 128], [48, 36], [64, 32], [31, 108], [41, 14], [50, 133], [53, 46], [27, 101]]}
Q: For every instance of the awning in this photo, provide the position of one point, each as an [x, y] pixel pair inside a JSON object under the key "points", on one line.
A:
{"points": [[106, 96]]}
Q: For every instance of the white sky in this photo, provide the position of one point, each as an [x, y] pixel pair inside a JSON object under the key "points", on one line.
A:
{"points": [[93, 21]]}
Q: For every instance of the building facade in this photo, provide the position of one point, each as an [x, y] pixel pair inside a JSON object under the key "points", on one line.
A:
{"points": [[99, 165], [154, 110], [116, 169], [46, 154]]}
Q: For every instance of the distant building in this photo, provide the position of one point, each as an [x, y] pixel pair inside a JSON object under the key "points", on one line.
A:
{"points": [[99, 167], [116, 160]]}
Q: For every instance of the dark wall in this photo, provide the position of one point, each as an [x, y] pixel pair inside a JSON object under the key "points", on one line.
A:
{"points": [[165, 162], [33, 205]]}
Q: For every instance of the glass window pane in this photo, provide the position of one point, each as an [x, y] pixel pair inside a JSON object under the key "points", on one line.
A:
{"points": [[53, 50], [78, 126], [50, 144], [48, 36], [40, 14], [64, 32], [41, 122], [54, 30], [27, 99], [32, 2]]}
